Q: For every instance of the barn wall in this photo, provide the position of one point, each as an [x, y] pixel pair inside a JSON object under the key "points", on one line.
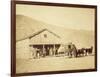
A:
{"points": [[50, 39], [22, 49]]}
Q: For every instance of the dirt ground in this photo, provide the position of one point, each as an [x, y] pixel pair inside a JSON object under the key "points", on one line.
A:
{"points": [[54, 64]]}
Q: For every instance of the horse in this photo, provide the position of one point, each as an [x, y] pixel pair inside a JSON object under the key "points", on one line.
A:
{"points": [[80, 52], [88, 51], [84, 51]]}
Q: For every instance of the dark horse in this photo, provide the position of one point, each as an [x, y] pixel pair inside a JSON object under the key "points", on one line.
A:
{"points": [[80, 52], [88, 51], [84, 51]]}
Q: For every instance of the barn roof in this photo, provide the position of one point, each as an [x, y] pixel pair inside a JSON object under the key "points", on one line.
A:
{"points": [[52, 38], [43, 31]]}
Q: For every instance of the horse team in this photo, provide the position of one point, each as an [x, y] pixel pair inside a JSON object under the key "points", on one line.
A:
{"points": [[74, 52]]}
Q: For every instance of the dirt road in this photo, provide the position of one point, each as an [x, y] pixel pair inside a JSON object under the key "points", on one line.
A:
{"points": [[54, 64]]}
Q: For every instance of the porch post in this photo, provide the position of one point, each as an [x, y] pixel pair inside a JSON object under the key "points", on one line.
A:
{"points": [[54, 49], [43, 53]]}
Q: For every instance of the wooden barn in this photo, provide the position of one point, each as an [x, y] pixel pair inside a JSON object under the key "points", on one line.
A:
{"points": [[31, 34], [43, 40]]}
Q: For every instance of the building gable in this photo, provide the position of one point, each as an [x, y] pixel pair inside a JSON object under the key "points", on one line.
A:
{"points": [[45, 37], [43, 31]]}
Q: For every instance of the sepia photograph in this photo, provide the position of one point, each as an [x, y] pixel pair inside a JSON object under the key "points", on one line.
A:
{"points": [[51, 37]]}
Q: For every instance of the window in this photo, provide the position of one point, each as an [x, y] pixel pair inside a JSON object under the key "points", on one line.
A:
{"points": [[45, 35]]}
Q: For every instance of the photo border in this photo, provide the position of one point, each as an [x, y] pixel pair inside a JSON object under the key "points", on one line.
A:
{"points": [[13, 37]]}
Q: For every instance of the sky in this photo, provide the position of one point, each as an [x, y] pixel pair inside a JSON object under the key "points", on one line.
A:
{"points": [[67, 17]]}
